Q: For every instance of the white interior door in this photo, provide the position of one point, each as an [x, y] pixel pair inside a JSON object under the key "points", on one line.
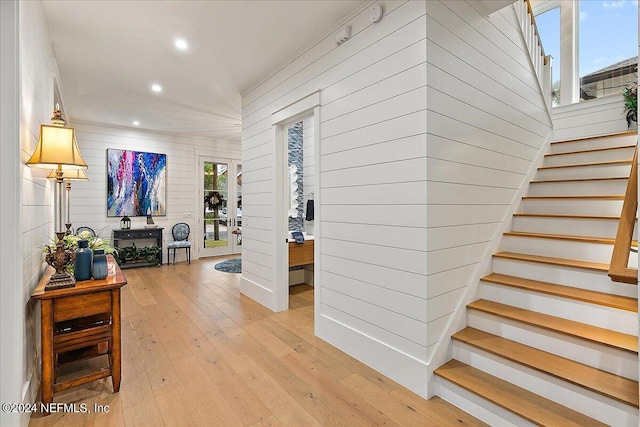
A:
{"points": [[220, 217]]}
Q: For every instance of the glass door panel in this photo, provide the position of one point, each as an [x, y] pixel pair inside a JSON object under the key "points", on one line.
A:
{"points": [[215, 194], [221, 212], [237, 221]]}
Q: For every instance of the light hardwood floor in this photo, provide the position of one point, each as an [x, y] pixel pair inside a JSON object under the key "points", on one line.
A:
{"points": [[195, 352]]}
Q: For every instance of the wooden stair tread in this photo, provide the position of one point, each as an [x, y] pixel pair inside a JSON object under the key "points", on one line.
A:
{"points": [[586, 138], [583, 331], [547, 181], [607, 384], [584, 239], [580, 165], [585, 295], [521, 402], [581, 197], [592, 150], [555, 261], [538, 215]]}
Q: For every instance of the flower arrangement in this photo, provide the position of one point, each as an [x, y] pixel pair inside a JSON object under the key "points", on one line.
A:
{"points": [[71, 242], [630, 95]]}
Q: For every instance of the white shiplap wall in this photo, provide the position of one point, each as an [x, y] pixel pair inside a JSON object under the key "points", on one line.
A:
{"points": [[11, 289], [599, 116], [88, 198], [371, 187], [486, 125], [36, 191]]}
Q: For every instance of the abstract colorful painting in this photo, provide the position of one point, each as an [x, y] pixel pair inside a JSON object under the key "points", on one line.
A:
{"points": [[136, 183]]}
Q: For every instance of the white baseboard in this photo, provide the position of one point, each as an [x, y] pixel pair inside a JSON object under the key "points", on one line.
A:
{"points": [[258, 293], [402, 368]]}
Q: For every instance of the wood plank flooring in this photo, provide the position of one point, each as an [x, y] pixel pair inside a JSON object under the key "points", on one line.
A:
{"points": [[195, 352]]}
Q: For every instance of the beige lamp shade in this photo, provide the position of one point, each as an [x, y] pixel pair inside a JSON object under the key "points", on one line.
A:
{"points": [[57, 147], [79, 174]]}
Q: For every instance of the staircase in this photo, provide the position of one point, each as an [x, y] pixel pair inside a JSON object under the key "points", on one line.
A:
{"points": [[551, 340]]}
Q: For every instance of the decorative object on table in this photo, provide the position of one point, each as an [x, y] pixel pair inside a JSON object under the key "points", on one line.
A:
{"points": [[80, 231], [150, 223], [180, 233], [230, 266], [82, 262], [297, 236], [630, 95], [136, 183], [70, 244], [58, 149], [99, 267], [125, 223], [138, 254], [67, 176]]}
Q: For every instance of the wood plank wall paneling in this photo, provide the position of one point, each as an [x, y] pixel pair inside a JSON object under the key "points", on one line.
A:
{"points": [[596, 117], [372, 178], [486, 123], [88, 198], [36, 191]]}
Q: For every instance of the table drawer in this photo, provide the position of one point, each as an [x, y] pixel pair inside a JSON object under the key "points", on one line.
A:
{"points": [[126, 234], [84, 305], [150, 234]]}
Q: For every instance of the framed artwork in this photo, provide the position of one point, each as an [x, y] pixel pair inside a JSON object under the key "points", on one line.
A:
{"points": [[136, 183]]}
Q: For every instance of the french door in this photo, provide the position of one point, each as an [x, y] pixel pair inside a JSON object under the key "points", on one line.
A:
{"points": [[220, 220]]}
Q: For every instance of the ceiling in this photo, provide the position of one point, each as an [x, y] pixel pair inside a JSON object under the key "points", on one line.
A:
{"points": [[109, 53]]}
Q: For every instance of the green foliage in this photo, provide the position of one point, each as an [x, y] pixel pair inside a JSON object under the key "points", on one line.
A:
{"points": [[630, 95], [71, 242], [135, 254]]}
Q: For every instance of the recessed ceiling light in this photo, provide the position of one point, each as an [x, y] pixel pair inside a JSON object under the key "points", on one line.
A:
{"points": [[136, 123], [156, 87], [181, 44]]}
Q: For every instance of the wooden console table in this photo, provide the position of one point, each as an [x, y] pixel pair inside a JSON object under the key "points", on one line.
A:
{"points": [[80, 323], [139, 234]]}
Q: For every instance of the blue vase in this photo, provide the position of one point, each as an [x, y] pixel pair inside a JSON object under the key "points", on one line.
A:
{"points": [[99, 268], [82, 264]]}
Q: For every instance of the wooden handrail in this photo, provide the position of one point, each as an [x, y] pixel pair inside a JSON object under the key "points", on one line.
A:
{"points": [[535, 27], [618, 268]]}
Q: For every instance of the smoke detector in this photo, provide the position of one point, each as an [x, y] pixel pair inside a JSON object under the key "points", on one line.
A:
{"points": [[375, 13]]}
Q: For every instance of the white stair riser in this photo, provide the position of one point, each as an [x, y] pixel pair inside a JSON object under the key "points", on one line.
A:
{"points": [[590, 157], [578, 311], [579, 188], [599, 356], [584, 172], [569, 226], [475, 405], [594, 252], [587, 402], [591, 207], [577, 277], [592, 144]]}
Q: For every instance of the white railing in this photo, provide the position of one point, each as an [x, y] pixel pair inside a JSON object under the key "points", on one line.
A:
{"points": [[541, 62]]}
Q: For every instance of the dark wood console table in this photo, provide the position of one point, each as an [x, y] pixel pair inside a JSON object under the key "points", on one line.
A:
{"points": [[139, 234], [80, 323]]}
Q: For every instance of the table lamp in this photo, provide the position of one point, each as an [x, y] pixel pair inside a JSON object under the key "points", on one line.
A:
{"points": [[57, 149]]}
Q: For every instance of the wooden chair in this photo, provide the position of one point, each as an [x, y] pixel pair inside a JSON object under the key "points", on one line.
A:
{"points": [[180, 233]]}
